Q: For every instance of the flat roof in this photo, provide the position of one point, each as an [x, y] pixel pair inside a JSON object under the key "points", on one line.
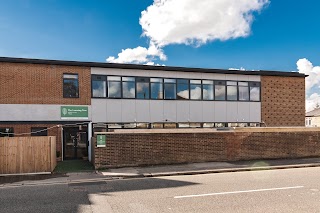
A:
{"points": [[148, 67]]}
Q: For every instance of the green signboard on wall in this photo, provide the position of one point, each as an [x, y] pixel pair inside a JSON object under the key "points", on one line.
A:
{"points": [[101, 140], [74, 112]]}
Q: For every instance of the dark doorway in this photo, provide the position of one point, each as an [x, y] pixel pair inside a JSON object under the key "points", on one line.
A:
{"points": [[75, 143]]}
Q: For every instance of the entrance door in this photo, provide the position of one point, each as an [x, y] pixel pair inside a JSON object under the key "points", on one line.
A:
{"points": [[75, 143]]}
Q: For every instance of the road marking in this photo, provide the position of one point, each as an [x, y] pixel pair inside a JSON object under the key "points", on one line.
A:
{"points": [[238, 192]]}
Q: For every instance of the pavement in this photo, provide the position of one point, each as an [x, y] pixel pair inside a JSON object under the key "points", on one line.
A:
{"points": [[159, 171]]}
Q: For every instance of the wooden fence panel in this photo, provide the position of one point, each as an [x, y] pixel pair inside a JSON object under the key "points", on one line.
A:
{"points": [[27, 154]]}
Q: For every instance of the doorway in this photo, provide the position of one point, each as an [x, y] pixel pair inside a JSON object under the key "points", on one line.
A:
{"points": [[75, 143]]}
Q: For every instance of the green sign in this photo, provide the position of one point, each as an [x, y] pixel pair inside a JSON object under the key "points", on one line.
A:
{"points": [[74, 112], [101, 140]]}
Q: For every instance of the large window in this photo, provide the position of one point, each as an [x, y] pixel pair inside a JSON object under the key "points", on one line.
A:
{"points": [[128, 87], [195, 89], [254, 91], [170, 89], [114, 87], [207, 90], [6, 132], [99, 86], [243, 88], [232, 91], [70, 86], [143, 88], [39, 131], [220, 90], [156, 88], [182, 89]]}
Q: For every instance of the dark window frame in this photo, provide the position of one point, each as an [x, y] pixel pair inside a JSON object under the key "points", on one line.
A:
{"points": [[63, 85], [106, 90], [3, 132]]}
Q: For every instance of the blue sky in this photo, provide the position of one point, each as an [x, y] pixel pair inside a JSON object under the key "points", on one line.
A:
{"points": [[281, 33]]}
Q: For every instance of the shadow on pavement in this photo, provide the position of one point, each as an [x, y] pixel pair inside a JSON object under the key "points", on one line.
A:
{"points": [[19, 178]]}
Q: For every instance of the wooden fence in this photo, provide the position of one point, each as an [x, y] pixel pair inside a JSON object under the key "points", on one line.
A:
{"points": [[27, 154]]}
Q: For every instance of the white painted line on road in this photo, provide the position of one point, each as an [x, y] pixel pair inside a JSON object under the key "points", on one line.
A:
{"points": [[238, 192]]}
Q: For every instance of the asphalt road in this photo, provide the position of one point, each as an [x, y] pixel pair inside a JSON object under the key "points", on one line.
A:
{"points": [[286, 190]]}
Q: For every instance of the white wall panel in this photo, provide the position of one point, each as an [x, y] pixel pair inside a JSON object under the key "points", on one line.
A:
{"points": [[183, 111], [196, 111], [208, 108], [156, 111], [232, 112], [243, 112], [254, 78], [220, 111], [99, 110], [143, 110], [114, 110], [169, 110], [128, 110]]}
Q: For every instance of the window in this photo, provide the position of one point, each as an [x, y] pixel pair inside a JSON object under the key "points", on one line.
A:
{"points": [[208, 125], [232, 90], [143, 88], [6, 132], [170, 89], [99, 86], [195, 89], [70, 86], [128, 87], [114, 87], [207, 90], [220, 90], [182, 89], [243, 88], [254, 91], [39, 131], [156, 88]]}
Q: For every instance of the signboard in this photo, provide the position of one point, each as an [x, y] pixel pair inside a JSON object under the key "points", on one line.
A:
{"points": [[101, 140], [74, 112]]}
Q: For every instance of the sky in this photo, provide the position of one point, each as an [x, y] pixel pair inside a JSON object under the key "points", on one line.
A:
{"points": [[282, 35]]}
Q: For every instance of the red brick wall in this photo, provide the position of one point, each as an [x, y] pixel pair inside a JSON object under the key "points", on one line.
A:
{"points": [[135, 149], [283, 101], [53, 130], [22, 83]]}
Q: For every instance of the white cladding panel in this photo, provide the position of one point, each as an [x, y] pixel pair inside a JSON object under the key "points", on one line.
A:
{"points": [[33, 112], [117, 110]]}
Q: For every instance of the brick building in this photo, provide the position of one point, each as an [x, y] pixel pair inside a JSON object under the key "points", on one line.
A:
{"points": [[71, 100]]}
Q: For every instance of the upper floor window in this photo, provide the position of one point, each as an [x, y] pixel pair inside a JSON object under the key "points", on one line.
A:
{"points": [[243, 88], [254, 91], [220, 90], [70, 86], [128, 87], [207, 90], [170, 89], [195, 89], [232, 91], [99, 86], [182, 89], [143, 88], [114, 87], [156, 88]]}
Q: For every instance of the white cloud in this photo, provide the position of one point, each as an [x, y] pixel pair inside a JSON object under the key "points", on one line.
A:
{"points": [[190, 22], [197, 22], [312, 81]]}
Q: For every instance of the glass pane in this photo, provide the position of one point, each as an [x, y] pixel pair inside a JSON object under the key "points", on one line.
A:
{"points": [[208, 125], [99, 89], [142, 90], [242, 83], [195, 81], [156, 91], [182, 91], [114, 78], [231, 83], [70, 88], [128, 90], [231, 93], [128, 79], [182, 81], [114, 89], [220, 82], [254, 84], [70, 76], [207, 92], [220, 92], [144, 80], [170, 80], [169, 91], [195, 91], [243, 93], [254, 93], [156, 80], [207, 82]]}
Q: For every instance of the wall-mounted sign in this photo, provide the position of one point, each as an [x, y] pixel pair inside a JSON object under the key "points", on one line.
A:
{"points": [[101, 140], [74, 112]]}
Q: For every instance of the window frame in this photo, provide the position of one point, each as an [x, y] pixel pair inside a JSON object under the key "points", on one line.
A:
{"points": [[106, 90], [78, 86], [248, 90]]}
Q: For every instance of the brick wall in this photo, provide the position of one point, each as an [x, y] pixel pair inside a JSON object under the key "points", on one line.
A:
{"points": [[22, 83], [26, 128], [283, 101], [135, 149]]}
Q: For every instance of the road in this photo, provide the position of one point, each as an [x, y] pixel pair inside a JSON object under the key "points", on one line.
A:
{"points": [[286, 190]]}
